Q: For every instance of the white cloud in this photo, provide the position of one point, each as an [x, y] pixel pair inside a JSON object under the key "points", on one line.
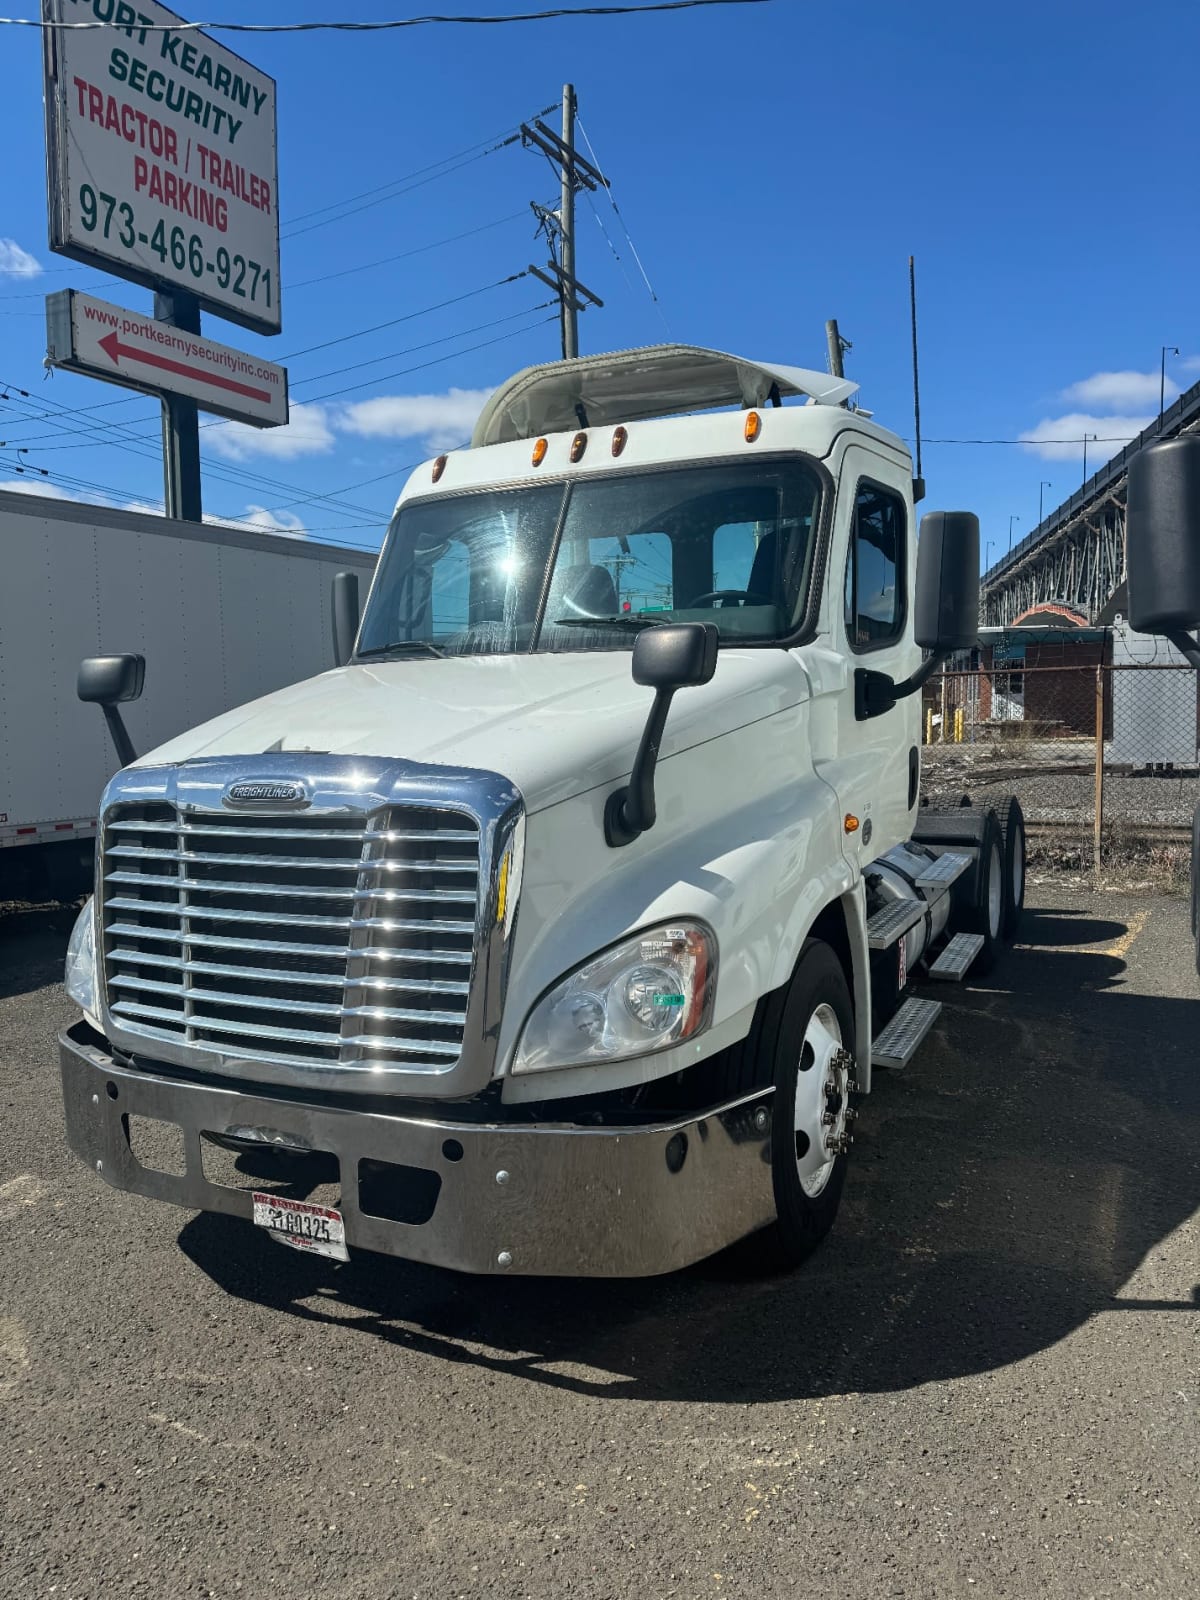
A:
{"points": [[34, 486], [1190, 364], [17, 263], [442, 421], [1118, 391], [261, 520], [307, 433], [1061, 438]]}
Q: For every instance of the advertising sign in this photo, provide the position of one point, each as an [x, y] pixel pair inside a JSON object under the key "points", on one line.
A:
{"points": [[161, 157], [106, 341]]}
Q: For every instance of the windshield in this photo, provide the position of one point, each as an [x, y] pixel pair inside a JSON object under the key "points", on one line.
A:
{"points": [[586, 565]]}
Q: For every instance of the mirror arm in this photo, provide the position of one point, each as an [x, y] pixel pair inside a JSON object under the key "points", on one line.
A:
{"points": [[1187, 644], [119, 735], [876, 692], [630, 811]]}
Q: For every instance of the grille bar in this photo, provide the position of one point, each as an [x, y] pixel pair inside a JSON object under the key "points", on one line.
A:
{"points": [[257, 1030], [333, 980], [348, 942], [348, 834], [135, 852]]}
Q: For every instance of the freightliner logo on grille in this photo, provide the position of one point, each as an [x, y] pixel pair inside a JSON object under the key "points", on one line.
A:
{"points": [[257, 792]]}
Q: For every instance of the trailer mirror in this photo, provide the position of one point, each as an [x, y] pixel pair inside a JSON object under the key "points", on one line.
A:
{"points": [[674, 656], [946, 613], [345, 616], [1162, 536], [107, 681]]}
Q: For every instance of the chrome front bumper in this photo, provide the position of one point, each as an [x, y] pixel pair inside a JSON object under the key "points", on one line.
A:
{"points": [[513, 1198]]}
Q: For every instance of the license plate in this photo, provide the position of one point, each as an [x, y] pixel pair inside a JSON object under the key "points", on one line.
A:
{"points": [[317, 1229]]}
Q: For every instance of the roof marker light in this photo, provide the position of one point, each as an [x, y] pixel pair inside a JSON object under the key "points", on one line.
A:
{"points": [[578, 446], [753, 426], [539, 452], [439, 466], [620, 439]]}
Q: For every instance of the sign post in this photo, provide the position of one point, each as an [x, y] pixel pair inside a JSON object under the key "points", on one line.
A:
{"points": [[162, 168]]}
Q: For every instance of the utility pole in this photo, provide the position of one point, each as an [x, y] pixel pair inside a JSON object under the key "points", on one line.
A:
{"points": [[837, 348], [574, 173], [566, 221]]}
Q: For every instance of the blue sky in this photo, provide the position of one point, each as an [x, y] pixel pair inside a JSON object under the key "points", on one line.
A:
{"points": [[775, 165]]}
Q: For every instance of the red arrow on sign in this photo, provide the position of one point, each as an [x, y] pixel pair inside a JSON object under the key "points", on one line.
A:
{"points": [[114, 349]]}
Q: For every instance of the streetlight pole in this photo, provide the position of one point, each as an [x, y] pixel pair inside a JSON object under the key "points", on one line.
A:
{"points": [[1172, 349], [1011, 520], [1045, 484], [1086, 437]]}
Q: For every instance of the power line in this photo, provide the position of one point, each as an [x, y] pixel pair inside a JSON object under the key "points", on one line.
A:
{"points": [[404, 255], [401, 22], [409, 316], [624, 229]]}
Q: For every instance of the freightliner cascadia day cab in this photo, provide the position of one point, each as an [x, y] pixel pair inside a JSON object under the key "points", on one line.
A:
{"points": [[570, 914]]}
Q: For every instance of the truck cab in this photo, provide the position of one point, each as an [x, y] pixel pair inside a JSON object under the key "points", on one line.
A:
{"points": [[546, 914]]}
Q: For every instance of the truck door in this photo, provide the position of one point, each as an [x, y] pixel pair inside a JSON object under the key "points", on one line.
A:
{"points": [[871, 593]]}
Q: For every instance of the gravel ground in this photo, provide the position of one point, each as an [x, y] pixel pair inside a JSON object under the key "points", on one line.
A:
{"points": [[985, 1383], [1056, 783]]}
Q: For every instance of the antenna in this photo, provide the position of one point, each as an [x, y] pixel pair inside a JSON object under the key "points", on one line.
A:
{"points": [[918, 480]]}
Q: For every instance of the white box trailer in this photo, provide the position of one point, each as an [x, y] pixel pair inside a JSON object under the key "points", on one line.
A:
{"points": [[223, 615]]}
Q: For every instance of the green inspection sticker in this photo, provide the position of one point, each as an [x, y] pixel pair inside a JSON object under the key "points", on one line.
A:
{"points": [[668, 999]]}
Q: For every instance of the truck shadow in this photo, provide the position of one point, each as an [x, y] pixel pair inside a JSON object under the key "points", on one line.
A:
{"points": [[33, 945], [1003, 1192]]}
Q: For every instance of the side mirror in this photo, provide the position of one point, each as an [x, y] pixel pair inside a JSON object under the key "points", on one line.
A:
{"points": [[345, 616], [1162, 539], [674, 656], [946, 609], [107, 681]]}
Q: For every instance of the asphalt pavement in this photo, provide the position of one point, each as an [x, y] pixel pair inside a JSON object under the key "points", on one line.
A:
{"points": [[986, 1383]]}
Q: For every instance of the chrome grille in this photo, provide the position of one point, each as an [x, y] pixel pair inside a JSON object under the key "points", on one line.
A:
{"points": [[309, 940]]}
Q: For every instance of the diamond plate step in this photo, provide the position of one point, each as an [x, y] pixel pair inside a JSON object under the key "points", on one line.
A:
{"points": [[888, 925], [897, 1044], [958, 955], [944, 871]]}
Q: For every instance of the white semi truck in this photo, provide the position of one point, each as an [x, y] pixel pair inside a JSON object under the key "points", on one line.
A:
{"points": [[225, 614], [567, 919]]}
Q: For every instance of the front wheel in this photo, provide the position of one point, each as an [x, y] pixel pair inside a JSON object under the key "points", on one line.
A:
{"points": [[812, 1068]]}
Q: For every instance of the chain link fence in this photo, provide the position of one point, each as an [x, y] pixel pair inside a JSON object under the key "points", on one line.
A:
{"points": [[1103, 753]]}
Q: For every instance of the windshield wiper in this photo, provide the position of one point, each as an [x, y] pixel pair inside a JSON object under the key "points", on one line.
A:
{"points": [[624, 621], [401, 647]]}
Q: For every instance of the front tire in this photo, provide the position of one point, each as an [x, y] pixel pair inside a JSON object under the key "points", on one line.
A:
{"points": [[812, 1068]]}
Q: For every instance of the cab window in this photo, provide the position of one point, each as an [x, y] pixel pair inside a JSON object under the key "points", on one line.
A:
{"points": [[875, 564]]}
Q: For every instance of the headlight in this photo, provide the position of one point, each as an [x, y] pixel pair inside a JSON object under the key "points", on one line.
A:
{"points": [[647, 993], [80, 974]]}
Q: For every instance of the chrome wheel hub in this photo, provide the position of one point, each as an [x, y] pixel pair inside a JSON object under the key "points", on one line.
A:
{"points": [[822, 1113]]}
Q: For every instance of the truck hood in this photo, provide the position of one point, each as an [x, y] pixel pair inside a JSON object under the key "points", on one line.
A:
{"points": [[556, 725]]}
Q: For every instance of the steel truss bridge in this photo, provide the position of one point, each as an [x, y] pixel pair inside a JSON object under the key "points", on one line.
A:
{"points": [[1075, 557]]}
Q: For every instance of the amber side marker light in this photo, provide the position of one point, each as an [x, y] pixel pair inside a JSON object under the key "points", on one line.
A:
{"points": [[439, 466], [753, 426], [850, 822], [539, 452], [620, 439], [578, 446]]}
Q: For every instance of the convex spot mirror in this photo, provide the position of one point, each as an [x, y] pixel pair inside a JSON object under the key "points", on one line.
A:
{"points": [[946, 612], [109, 680], [1162, 536]]}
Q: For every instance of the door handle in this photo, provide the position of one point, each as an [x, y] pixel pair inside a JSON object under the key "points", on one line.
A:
{"points": [[914, 775]]}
